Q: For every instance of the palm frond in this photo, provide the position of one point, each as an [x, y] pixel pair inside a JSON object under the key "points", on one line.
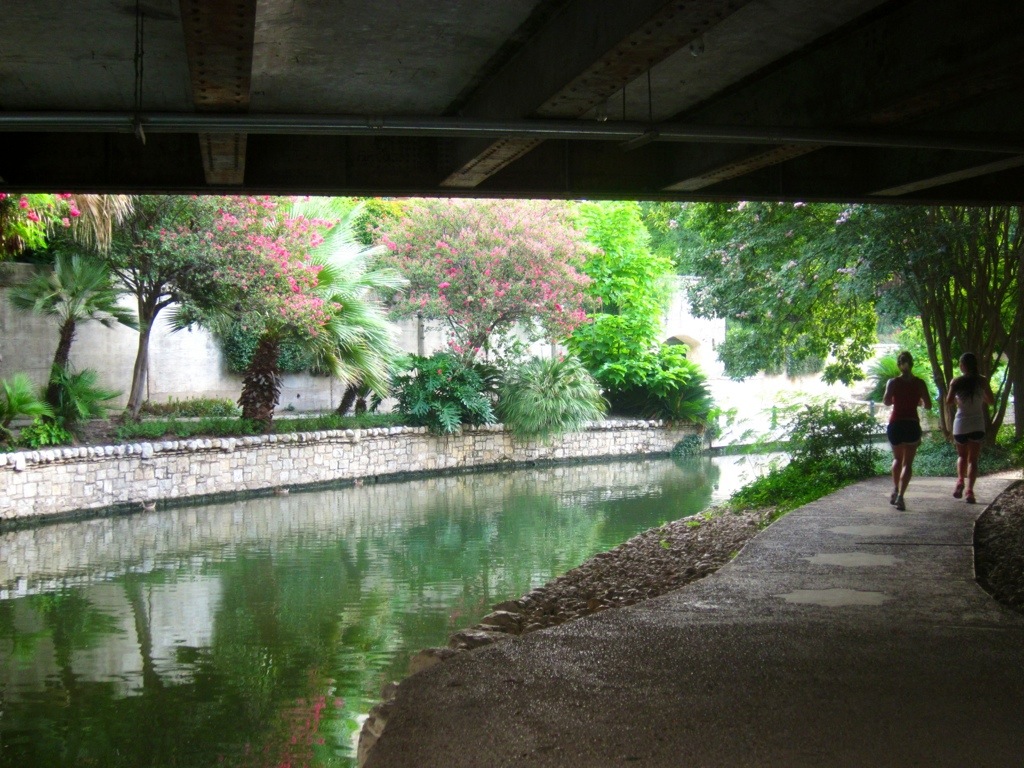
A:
{"points": [[99, 213], [19, 397], [77, 288]]}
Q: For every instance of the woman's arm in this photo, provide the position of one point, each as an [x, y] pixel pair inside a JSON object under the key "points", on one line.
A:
{"points": [[986, 393], [950, 397], [926, 398], [887, 397]]}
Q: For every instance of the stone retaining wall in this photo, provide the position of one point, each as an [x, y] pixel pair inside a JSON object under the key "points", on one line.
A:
{"points": [[35, 484]]}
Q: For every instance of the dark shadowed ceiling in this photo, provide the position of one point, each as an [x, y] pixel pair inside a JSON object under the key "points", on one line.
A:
{"points": [[850, 100]]}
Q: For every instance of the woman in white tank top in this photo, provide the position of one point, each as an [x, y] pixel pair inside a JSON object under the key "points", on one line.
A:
{"points": [[970, 393]]}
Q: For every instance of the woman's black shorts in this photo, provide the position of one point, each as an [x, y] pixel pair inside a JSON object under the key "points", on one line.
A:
{"points": [[970, 437], [901, 432]]}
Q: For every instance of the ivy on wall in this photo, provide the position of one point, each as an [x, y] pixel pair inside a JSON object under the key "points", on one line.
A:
{"points": [[238, 345]]}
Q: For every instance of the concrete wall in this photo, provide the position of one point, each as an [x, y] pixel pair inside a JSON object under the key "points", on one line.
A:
{"points": [[188, 364], [40, 483], [182, 365]]}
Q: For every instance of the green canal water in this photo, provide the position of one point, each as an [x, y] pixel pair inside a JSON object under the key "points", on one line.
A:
{"points": [[260, 632]]}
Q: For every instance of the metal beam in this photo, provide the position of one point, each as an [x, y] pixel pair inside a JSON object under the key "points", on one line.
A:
{"points": [[599, 47], [939, 68], [219, 39], [570, 130]]}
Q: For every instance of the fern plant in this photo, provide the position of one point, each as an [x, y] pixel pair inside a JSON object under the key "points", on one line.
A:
{"points": [[443, 392], [543, 398], [18, 397]]}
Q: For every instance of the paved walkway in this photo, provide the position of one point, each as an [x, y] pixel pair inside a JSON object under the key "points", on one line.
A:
{"points": [[846, 634]]}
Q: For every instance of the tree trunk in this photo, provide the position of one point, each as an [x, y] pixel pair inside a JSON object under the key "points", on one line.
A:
{"points": [[140, 371], [347, 399], [261, 385], [63, 353], [1015, 361], [60, 360]]}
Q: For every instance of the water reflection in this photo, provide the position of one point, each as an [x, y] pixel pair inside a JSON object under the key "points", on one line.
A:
{"points": [[256, 633]]}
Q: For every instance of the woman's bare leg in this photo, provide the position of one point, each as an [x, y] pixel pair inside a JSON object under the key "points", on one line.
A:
{"points": [[971, 456], [909, 452], [961, 462]]}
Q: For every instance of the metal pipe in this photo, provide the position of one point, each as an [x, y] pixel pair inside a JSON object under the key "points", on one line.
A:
{"points": [[629, 132]]}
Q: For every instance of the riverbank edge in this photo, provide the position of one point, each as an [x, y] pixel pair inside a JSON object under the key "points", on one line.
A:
{"points": [[90, 481]]}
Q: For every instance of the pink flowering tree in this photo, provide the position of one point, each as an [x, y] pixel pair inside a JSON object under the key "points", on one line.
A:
{"points": [[489, 267], [267, 280]]}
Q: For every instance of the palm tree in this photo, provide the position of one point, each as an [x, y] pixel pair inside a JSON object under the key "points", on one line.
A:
{"points": [[359, 346], [76, 290]]}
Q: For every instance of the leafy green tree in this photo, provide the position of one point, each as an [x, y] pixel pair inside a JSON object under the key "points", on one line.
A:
{"points": [[151, 256], [670, 237], [376, 214], [789, 287], [639, 375], [489, 267], [630, 285], [963, 269]]}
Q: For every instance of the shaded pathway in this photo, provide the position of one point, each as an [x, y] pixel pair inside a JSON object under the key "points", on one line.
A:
{"points": [[846, 634]]}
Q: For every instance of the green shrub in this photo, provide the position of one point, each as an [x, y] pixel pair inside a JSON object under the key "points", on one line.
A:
{"points": [[328, 421], [171, 429], [192, 408], [830, 447], [442, 392], [663, 385], [174, 429], [145, 430], [691, 445], [542, 398], [833, 439], [43, 432], [786, 488]]}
